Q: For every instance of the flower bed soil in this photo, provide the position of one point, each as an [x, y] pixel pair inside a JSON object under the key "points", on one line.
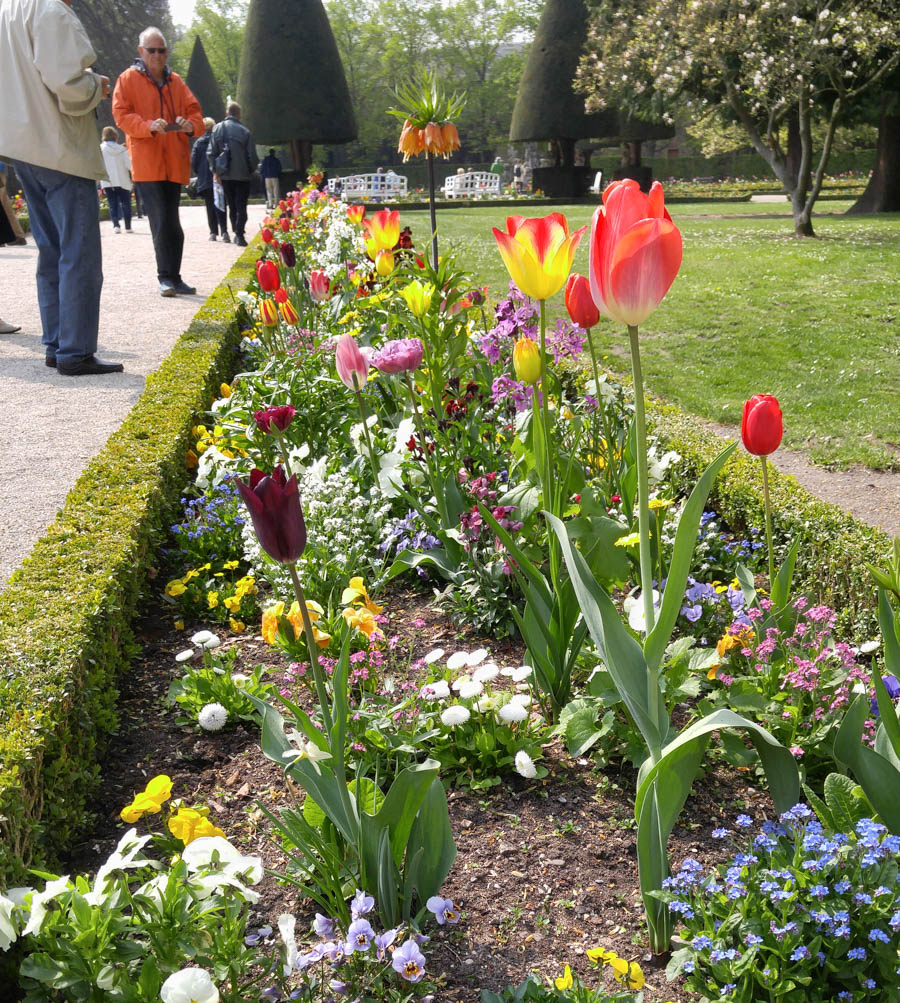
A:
{"points": [[545, 869]]}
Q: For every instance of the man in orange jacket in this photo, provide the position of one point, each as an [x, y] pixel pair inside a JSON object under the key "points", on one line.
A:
{"points": [[157, 112]]}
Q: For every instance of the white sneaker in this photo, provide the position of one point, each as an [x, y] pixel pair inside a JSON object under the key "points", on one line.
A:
{"points": [[116, 229]]}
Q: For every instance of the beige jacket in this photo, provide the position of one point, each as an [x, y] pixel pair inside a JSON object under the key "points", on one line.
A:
{"points": [[49, 92]]}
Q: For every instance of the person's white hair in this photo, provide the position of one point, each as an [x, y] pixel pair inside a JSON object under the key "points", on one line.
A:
{"points": [[147, 33]]}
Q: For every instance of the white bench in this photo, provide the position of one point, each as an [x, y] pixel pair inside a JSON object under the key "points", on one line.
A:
{"points": [[473, 184], [374, 186], [597, 184]]}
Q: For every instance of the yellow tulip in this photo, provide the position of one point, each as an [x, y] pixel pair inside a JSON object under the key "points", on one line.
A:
{"points": [[538, 252], [384, 263], [527, 360], [418, 297]]}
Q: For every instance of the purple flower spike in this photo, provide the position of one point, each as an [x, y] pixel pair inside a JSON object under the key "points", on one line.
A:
{"points": [[445, 910], [359, 936], [409, 962], [361, 905]]}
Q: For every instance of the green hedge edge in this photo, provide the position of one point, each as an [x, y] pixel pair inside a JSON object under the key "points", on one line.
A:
{"points": [[835, 548], [65, 616]]}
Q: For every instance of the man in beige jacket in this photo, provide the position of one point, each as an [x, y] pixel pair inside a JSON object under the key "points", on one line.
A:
{"points": [[48, 133]]}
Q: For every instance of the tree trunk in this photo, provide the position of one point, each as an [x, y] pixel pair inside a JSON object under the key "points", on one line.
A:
{"points": [[882, 194], [802, 215], [301, 156]]}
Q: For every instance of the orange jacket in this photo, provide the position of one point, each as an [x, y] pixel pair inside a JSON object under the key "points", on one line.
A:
{"points": [[138, 101]]}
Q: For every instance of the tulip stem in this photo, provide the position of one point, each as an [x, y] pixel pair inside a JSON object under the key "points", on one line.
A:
{"points": [[433, 210], [365, 425], [435, 487], [768, 504], [313, 648], [643, 490], [547, 473], [284, 454]]}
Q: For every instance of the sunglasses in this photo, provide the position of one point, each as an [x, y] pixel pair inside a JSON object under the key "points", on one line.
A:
{"points": [[154, 52]]}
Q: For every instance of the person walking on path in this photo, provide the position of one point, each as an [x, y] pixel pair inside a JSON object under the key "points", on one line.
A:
{"points": [[49, 135], [117, 183], [200, 168], [157, 112], [232, 159], [18, 234], [270, 169]]}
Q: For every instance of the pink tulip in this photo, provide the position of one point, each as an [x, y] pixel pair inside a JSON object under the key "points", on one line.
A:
{"points": [[352, 365], [319, 286], [635, 252], [400, 356]]}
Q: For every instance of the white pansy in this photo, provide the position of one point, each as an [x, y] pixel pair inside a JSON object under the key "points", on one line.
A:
{"points": [[457, 714], [8, 932], [126, 855], [435, 655], [287, 924], [457, 660], [212, 717], [469, 688], [154, 889], [513, 712], [525, 765], [485, 673], [658, 465], [39, 902], [199, 853], [190, 985], [634, 610], [477, 657], [205, 885], [438, 690]]}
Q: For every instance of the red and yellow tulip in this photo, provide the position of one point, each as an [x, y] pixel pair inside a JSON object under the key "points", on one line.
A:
{"points": [[538, 252], [356, 213], [635, 252], [268, 314], [384, 229]]}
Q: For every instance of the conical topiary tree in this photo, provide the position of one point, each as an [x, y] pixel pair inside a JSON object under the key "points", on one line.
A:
{"points": [[203, 84], [292, 86]]}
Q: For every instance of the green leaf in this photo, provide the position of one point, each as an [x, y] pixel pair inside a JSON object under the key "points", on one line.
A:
{"points": [[889, 634], [846, 809], [823, 812], [437, 558], [432, 837], [781, 588], [578, 725], [877, 776], [682, 557]]}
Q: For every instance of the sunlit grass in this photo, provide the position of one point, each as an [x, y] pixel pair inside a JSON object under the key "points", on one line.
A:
{"points": [[754, 310]]}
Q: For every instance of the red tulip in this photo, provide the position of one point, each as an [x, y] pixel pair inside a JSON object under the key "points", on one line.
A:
{"points": [[274, 417], [285, 224], [267, 276], [319, 286], [274, 506], [266, 235], [356, 213], [579, 302], [761, 428], [635, 252], [352, 365]]}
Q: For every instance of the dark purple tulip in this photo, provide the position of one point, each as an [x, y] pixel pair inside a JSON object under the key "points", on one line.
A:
{"points": [[274, 506], [272, 417], [288, 255]]}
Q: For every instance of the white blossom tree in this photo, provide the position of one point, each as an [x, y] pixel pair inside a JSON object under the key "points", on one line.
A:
{"points": [[766, 64]]}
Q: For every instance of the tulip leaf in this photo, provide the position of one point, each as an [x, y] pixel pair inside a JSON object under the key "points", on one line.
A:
{"points": [[781, 587], [437, 558], [889, 634], [522, 564], [431, 850], [621, 653], [876, 775], [680, 565]]}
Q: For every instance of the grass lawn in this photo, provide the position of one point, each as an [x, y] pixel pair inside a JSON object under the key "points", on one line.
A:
{"points": [[754, 310]]}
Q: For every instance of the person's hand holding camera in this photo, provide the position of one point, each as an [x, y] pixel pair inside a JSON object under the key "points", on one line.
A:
{"points": [[158, 125]]}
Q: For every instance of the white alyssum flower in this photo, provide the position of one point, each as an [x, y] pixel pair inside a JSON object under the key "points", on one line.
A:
{"points": [[512, 713], [190, 985], [485, 673], [438, 690], [435, 655], [212, 717], [525, 765], [452, 716], [457, 660], [470, 688]]}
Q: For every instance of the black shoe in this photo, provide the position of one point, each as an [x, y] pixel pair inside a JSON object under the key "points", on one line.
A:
{"points": [[167, 288], [20, 241], [183, 289], [226, 239], [91, 366], [212, 236], [239, 241], [50, 361]]}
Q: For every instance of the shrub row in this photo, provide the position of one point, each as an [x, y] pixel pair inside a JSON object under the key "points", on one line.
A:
{"points": [[835, 548], [65, 616]]}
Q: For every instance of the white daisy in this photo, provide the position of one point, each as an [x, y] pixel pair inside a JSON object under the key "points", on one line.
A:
{"points": [[457, 660], [513, 712], [522, 672], [457, 714], [212, 717], [470, 688], [183, 656], [485, 673], [477, 657], [525, 765], [438, 690], [433, 656]]}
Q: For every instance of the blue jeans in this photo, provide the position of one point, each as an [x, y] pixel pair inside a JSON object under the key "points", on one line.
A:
{"points": [[64, 217], [119, 200]]}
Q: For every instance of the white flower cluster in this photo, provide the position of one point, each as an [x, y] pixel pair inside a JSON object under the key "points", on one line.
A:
{"points": [[337, 240]]}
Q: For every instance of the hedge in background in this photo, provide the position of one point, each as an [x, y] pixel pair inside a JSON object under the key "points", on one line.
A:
{"points": [[831, 564], [65, 616]]}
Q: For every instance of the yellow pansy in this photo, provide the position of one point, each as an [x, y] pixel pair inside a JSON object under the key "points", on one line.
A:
{"points": [[236, 625], [230, 565], [657, 503], [179, 624], [232, 603], [599, 955], [363, 620], [212, 598], [191, 459], [225, 390], [175, 588], [566, 980], [189, 825], [269, 627], [188, 575], [356, 592], [149, 801]]}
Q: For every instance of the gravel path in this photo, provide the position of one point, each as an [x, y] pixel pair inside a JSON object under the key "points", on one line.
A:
{"points": [[51, 425]]}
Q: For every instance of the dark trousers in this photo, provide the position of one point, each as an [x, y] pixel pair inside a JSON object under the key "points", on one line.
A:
{"points": [[236, 195], [160, 200], [218, 223], [119, 206], [138, 207]]}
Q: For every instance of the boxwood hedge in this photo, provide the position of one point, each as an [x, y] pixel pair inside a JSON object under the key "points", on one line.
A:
{"points": [[65, 615]]}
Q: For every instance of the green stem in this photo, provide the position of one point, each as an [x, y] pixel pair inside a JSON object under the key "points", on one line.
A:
{"points": [[432, 477], [364, 416], [433, 210], [318, 675], [435, 373], [549, 487], [768, 504]]}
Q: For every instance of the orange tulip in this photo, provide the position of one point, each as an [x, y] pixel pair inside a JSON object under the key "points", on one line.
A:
{"points": [[635, 252], [384, 229], [356, 213], [538, 253], [268, 313]]}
